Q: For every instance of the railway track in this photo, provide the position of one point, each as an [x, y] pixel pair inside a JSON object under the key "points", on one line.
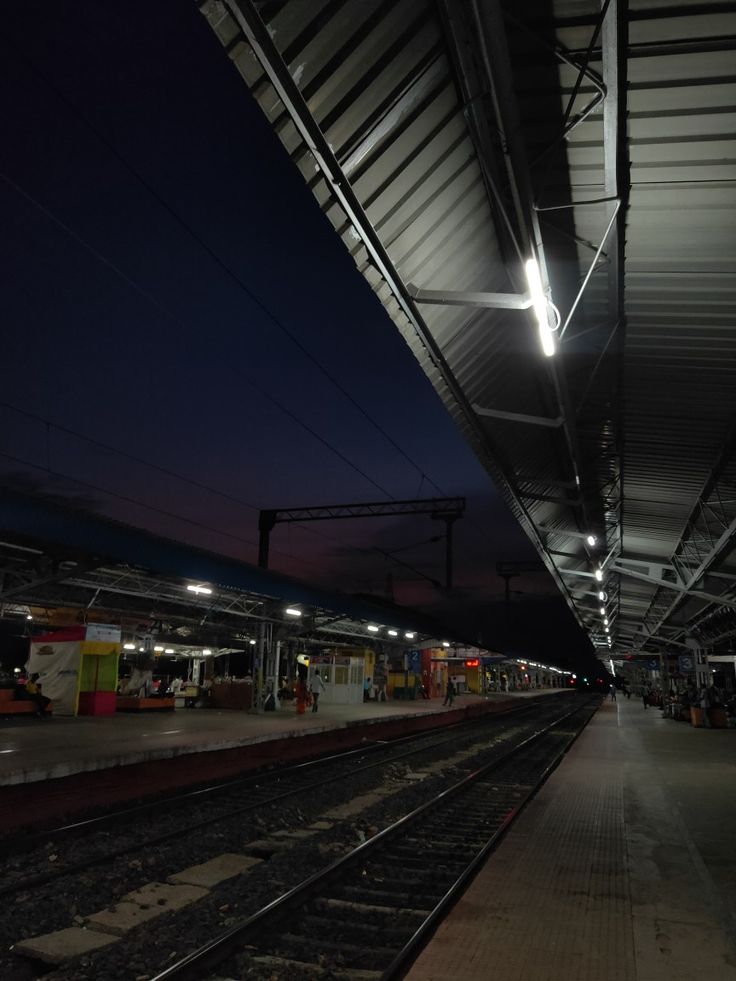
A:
{"points": [[99, 841], [154, 824], [366, 916], [352, 803]]}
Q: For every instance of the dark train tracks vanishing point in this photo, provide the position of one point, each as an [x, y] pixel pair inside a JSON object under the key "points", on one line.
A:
{"points": [[282, 826], [366, 916], [134, 828]]}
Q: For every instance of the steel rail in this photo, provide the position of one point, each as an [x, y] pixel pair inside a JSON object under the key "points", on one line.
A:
{"points": [[196, 965], [408, 954], [93, 824]]}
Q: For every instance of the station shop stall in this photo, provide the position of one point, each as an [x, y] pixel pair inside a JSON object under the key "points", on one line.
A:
{"points": [[91, 670]]}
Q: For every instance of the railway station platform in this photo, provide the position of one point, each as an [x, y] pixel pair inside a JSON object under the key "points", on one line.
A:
{"points": [[622, 868], [62, 765]]}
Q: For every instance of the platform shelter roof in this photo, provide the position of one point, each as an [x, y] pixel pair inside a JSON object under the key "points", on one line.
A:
{"points": [[448, 144]]}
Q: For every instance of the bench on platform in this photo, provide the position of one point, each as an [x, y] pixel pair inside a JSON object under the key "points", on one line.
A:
{"points": [[132, 703], [9, 705]]}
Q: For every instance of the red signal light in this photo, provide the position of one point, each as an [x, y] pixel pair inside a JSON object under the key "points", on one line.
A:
{"points": [[473, 662]]}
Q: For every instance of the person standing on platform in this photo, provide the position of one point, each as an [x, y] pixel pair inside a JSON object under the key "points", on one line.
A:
{"points": [[302, 672], [367, 690], [645, 697], [706, 704], [316, 688], [612, 692], [450, 693]]}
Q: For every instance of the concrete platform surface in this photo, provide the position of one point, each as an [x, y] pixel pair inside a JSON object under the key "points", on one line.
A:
{"points": [[622, 868], [41, 749]]}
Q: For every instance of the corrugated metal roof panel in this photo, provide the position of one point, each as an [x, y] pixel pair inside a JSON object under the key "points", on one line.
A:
{"points": [[650, 407]]}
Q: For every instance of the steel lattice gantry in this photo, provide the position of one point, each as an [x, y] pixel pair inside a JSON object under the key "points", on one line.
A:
{"points": [[447, 143]]}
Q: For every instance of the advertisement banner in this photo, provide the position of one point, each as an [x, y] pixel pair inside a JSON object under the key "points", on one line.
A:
{"points": [[105, 633], [57, 663]]}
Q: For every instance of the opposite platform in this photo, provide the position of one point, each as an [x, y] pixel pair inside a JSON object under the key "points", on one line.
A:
{"points": [[622, 868], [55, 769], [41, 749]]}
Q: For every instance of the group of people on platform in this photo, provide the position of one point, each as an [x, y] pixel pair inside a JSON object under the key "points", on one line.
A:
{"points": [[707, 698], [678, 702]]}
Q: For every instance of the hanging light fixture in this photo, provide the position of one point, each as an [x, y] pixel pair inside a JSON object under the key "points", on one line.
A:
{"points": [[540, 305]]}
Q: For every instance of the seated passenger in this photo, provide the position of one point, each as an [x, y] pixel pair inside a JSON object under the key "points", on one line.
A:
{"points": [[33, 691]]}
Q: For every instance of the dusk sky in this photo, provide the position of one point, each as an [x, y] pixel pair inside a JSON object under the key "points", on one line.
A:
{"points": [[173, 292]]}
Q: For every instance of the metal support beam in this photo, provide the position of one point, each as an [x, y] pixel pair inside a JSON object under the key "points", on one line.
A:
{"points": [[447, 509], [245, 15], [519, 417], [677, 587], [452, 298]]}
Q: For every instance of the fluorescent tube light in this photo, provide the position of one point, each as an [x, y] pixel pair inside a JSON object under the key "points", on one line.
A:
{"points": [[541, 307]]}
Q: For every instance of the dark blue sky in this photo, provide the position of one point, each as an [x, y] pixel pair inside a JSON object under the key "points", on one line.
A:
{"points": [[172, 290]]}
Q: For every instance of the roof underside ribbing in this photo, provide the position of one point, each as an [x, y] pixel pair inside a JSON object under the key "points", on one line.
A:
{"points": [[445, 143]]}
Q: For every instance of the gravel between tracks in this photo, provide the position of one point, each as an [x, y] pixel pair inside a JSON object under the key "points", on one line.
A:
{"points": [[69, 901]]}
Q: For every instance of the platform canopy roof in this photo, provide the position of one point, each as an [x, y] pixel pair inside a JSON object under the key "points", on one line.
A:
{"points": [[59, 560], [448, 143]]}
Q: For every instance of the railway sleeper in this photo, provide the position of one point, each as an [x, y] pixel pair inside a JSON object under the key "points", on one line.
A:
{"points": [[415, 901], [447, 856], [430, 884], [475, 832], [373, 957], [395, 875], [457, 825], [429, 866], [297, 968], [410, 860], [337, 906], [390, 931]]}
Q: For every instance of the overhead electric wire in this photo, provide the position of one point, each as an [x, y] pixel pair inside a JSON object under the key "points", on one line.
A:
{"points": [[173, 318], [149, 507], [169, 473], [179, 323], [164, 470], [123, 497], [128, 456], [254, 298]]}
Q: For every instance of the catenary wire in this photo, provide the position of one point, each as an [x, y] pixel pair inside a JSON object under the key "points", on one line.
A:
{"points": [[183, 224], [230, 273], [142, 504], [175, 320]]}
